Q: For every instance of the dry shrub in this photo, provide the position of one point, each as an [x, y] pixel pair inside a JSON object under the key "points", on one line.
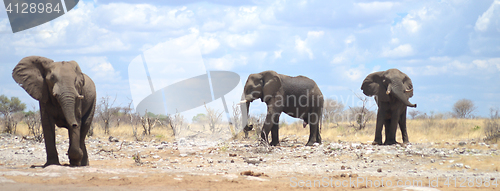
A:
{"points": [[492, 130]]}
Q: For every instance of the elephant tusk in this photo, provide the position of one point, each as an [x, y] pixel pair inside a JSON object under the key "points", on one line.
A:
{"points": [[388, 92], [80, 97], [410, 90], [243, 101]]}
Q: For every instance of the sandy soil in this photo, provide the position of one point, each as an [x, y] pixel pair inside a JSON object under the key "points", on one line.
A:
{"points": [[248, 165]]}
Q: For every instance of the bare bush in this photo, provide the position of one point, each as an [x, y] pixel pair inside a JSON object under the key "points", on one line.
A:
{"points": [[362, 114], [413, 113], [332, 111], [214, 118], [463, 109], [255, 123], [176, 121], [236, 119], [495, 113], [149, 121], [492, 129], [104, 112], [32, 119], [492, 125]]}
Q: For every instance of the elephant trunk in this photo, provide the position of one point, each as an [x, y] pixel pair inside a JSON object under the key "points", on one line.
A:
{"points": [[245, 106], [67, 100], [398, 91]]}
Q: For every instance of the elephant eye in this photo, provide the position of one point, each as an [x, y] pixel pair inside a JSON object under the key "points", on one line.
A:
{"points": [[52, 78]]}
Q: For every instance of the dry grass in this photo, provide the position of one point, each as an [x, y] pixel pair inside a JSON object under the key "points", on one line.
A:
{"points": [[419, 131]]}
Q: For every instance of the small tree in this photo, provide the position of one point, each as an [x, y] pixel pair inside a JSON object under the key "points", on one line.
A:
{"points": [[362, 114], [32, 119], [463, 109], [149, 121], [413, 113], [214, 118], [200, 118], [8, 110], [494, 113], [105, 112], [236, 119], [176, 121], [133, 118], [492, 125], [332, 110]]}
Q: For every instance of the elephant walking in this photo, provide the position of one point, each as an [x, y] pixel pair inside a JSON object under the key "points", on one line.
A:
{"points": [[67, 98], [299, 97], [392, 90]]}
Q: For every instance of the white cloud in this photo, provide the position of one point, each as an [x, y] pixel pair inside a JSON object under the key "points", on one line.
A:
{"points": [[243, 18], [301, 47], [208, 44], [394, 41], [350, 39], [227, 62], [304, 46], [355, 74], [375, 7], [490, 65], [277, 54], [143, 16], [100, 69], [241, 41], [315, 34], [484, 21], [400, 51], [213, 26]]}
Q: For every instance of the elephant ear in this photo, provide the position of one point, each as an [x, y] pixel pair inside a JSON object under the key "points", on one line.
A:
{"points": [[408, 85], [29, 73], [80, 78], [272, 83], [374, 85]]}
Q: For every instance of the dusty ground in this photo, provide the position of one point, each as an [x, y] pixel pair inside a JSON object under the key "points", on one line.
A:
{"points": [[247, 165]]}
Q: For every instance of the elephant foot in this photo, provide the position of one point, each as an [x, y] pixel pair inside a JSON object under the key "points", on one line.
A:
{"points": [[85, 163], [390, 142], [46, 165], [377, 143], [75, 156], [310, 143], [275, 143]]}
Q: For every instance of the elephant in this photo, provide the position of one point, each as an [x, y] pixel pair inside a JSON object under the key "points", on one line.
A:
{"points": [[392, 90], [67, 98], [299, 97]]}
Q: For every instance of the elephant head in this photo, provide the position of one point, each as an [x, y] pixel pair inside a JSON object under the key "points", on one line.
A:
{"points": [[46, 80], [262, 85], [391, 82]]}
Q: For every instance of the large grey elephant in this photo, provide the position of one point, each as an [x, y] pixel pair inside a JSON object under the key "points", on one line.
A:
{"points": [[392, 90], [67, 99], [298, 97]]}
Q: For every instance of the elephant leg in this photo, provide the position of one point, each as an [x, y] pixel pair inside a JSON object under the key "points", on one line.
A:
{"points": [[83, 135], [275, 134], [379, 126], [390, 131], [75, 153], [402, 126], [271, 120], [314, 136], [49, 133]]}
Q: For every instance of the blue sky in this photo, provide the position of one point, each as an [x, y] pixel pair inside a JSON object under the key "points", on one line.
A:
{"points": [[449, 48]]}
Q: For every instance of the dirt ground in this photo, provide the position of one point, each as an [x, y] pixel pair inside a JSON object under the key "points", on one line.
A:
{"points": [[248, 165]]}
